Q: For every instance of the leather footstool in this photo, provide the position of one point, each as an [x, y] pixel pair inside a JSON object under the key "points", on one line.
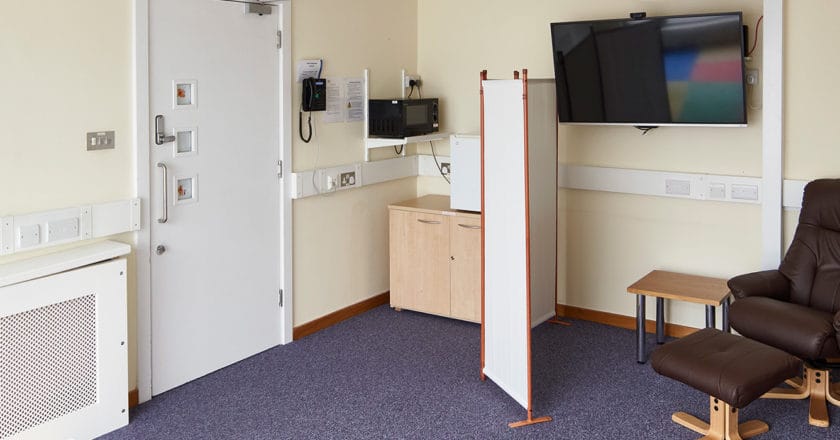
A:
{"points": [[732, 369]]}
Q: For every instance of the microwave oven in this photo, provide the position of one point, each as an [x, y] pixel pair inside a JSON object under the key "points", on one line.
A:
{"points": [[399, 118]]}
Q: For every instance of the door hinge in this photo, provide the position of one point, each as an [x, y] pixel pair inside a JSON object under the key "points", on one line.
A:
{"points": [[281, 298], [279, 39], [280, 169]]}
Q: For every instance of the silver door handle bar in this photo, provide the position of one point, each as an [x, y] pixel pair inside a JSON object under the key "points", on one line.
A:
{"points": [[469, 226], [160, 137], [428, 222], [165, 194]]}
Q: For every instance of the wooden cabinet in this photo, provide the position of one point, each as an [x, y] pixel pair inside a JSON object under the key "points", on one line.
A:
{"points": [[465, 267], [435, 258]]}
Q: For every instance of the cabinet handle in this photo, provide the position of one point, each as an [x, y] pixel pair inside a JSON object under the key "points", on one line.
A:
{"points": [[469, 226], [428, 222]]}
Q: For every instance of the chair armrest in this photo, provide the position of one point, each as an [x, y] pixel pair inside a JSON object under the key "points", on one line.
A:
{"points": [[768, 283], [837, 325]]}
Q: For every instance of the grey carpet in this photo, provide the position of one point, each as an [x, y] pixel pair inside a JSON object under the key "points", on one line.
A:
{"points": [[387, 374]]}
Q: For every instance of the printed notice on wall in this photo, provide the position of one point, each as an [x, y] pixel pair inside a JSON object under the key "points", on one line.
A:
{"points": [[354, 99], [335, 102], [309, 69], [345, 100]]}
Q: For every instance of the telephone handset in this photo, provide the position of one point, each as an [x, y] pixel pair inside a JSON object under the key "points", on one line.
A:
{"points": [[314, 96], [313, 99]]}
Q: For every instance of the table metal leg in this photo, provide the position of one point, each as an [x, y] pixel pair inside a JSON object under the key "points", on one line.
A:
{"points": [[725, 315], [640, 329], [710, 316], [660, 320]]}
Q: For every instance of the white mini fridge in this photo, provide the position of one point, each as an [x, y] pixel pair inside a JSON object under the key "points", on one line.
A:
{"points": [[465, 192]]}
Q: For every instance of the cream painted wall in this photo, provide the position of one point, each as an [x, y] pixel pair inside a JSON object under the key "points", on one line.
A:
{"points": [[609, 240], [812, 66], [60, 79], [341, 240]]}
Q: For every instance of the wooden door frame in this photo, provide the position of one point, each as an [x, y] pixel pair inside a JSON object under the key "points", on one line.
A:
{"points": [[142, 188]]}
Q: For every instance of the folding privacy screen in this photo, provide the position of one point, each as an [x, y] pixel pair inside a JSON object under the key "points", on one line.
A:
{"points": [[519, 216]]}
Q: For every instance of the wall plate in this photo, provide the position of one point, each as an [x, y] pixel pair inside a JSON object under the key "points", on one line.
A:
{"points": [[6, 236], [28, 236], [184, 94]]}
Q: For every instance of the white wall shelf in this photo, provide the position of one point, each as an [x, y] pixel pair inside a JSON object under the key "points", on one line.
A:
{"points": [[390, 142]]}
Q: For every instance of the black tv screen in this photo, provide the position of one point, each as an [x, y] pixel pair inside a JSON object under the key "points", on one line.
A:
{"points": [[678, 70]]}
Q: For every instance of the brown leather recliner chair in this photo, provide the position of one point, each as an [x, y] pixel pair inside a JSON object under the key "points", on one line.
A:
{"points": [[795, 308]]}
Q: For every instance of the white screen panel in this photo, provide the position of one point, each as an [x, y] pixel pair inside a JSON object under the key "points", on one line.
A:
{"points": [[542, 170], [505, 302]]}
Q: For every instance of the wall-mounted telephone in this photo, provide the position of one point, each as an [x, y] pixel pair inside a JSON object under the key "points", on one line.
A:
{"points": [[314, 97]]}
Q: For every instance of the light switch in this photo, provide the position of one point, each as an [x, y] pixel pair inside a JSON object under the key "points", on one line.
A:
{"points": [[101, 140]]}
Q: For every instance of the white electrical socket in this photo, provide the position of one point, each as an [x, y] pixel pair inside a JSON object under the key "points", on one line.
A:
{"points": [[745, 192], [58, 230], [347, 179], [677, 187], [717, 191], [408, 78]]}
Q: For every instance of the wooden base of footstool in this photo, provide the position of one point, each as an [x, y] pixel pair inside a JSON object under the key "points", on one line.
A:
{"points": [[723, 423], [816, 386]]}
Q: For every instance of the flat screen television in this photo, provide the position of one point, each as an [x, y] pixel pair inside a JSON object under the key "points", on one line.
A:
{"points": [[676, 70]]}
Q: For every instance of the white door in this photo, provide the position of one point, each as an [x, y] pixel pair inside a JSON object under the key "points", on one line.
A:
{"points": [[216, 218]]}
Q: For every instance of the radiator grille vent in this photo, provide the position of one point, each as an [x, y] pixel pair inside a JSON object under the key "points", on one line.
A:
{"points": [[47, 363]]}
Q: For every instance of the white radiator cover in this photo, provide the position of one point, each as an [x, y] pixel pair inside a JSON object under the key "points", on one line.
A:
{"points": [[63, 355]]}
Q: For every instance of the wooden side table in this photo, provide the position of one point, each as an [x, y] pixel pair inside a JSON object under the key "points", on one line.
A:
{"points": [[711, 292]]}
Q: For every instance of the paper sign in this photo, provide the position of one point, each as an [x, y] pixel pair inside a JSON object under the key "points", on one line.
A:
{"points": [[335, 102], [309, 69], [354, 99]]}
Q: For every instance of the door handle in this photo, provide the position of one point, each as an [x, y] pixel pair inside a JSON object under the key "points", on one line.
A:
{"points": [[165, 194], [469, 226], [428, 222], [160, 137]]}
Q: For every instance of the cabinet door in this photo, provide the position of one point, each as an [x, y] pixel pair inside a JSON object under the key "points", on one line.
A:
{"points": [[465, 268], [419, 245]]}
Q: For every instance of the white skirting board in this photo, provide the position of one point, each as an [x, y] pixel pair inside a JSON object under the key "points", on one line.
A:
{"points": [[26, 232]]}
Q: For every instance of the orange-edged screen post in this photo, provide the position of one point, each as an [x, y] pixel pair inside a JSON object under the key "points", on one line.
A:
{"points": [[530, 420], [482, 78]]}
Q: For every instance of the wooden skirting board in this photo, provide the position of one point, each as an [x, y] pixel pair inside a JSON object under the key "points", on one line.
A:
{"points": [[628, 322], [133, 398], [340, 315]]}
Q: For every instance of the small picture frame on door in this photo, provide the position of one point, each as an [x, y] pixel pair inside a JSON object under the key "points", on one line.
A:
{"points": [[184, 94], [186, 141], [185, 189]]}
